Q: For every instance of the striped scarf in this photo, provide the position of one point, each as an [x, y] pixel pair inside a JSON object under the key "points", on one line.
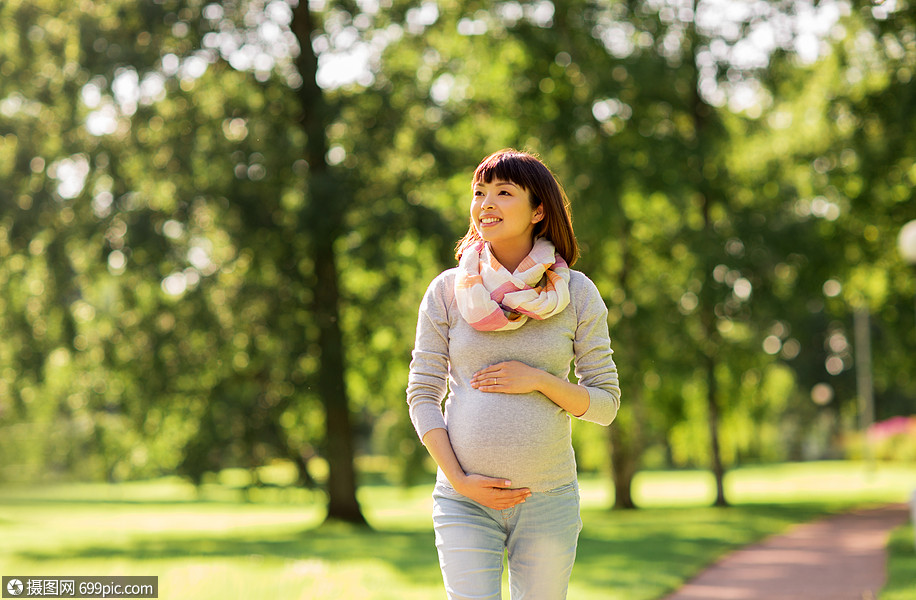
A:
{"points": [[492, 299]]}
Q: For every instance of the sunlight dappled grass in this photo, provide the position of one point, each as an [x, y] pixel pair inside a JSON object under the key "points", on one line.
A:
{"points": [[217, 546], [830, 482]]}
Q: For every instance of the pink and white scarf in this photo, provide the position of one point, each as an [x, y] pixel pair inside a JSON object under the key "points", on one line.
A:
{"points": [[492, 299]]}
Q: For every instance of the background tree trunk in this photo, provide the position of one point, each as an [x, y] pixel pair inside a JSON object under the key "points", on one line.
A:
{"points": [[624, 463], [703, 123], [322, 223]]}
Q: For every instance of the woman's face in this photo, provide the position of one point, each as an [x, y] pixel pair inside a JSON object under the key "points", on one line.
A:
{"points": [[502, 213]]}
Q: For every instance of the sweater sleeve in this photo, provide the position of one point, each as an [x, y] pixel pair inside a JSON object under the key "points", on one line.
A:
{"points": [[427, 382], [594, 364]]}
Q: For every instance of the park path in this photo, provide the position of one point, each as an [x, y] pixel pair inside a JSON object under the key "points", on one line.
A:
{"points": [[842, 557]]}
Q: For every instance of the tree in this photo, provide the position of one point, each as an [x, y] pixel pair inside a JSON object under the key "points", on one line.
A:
{"points": [[197, 251], [201, 272], [322, 219], [843, 129]]}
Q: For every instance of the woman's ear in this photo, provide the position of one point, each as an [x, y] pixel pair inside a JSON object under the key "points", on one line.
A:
{"points": [[538, 215]]}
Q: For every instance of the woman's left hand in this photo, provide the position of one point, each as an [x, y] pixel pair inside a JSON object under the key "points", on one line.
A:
{"points": [[510, 377]]}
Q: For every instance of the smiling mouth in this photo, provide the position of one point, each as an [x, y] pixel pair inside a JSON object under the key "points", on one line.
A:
{"points": [[489, 220]]}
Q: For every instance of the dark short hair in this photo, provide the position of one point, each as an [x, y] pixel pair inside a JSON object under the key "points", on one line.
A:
{"points": [[528, 172]]}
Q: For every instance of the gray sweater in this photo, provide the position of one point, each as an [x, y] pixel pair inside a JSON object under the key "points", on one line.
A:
{"points": [[522, 437]]}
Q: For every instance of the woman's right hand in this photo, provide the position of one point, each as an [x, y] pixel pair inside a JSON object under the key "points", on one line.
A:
{"points": [[492, 492]]}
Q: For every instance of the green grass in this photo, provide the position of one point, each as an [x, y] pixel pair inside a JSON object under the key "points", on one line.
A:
{"points": [[221, 547], [901, 565]]}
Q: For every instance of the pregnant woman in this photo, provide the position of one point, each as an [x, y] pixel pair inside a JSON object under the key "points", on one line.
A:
{"points": [[495, 339]]}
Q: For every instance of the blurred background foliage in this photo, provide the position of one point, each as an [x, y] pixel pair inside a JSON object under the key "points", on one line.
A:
{"points": [[739, 173]]}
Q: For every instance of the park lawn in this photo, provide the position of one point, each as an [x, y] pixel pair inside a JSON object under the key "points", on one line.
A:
{"points": [[901, 566], [221, 547]]}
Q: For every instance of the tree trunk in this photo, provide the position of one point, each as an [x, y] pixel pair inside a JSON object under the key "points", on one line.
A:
{"points": [[711, 346], [322, 222], [711, 342], [625, 433], [342, 503], [712, 401], [623, 467]]}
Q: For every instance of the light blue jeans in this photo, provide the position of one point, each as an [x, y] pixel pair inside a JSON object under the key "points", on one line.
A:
{"points": [[540, 535]]}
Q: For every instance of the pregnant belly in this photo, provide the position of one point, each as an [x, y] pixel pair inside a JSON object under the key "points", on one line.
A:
{"points": [[518, 436]]}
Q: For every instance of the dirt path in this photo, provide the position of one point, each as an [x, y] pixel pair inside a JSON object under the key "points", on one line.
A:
{"points": [[842, 557]]}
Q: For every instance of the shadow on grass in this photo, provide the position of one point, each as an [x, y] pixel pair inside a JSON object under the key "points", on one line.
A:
{"points": [[33, 502], [225, 497], [409, 552], [642, 553], [671, 545]]}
